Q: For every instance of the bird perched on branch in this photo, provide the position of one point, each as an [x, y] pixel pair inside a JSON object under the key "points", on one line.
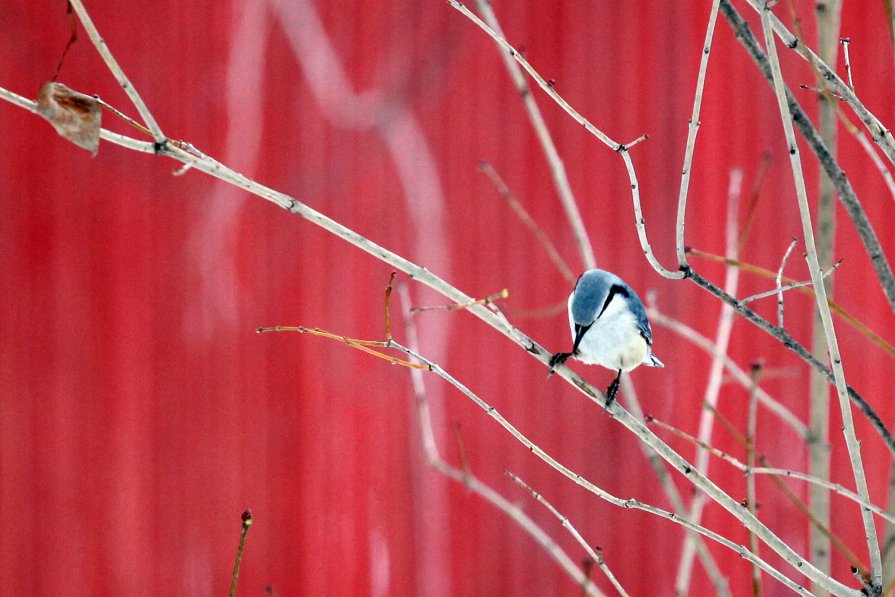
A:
{"points": [[609, 327]]}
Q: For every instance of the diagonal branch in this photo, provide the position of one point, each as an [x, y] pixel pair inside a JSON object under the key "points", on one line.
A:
{"points": [[557, 168], [116, 70]]}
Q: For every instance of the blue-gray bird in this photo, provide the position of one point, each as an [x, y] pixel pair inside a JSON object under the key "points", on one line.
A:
{"points": [[609, 327]]}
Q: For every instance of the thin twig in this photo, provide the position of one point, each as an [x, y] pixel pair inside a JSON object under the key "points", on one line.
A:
{"points": [[777, 282], [557, 169], [460, 306], [693, 129], [845, 41], [752, 203], [779, 290], [871, 153], [109, 107], [361, 345], [388, 312], [751, 493], [850, 319], [598, 558], [246, 524], [824, 92], [821, 301], [529, 222], [116, 70]]}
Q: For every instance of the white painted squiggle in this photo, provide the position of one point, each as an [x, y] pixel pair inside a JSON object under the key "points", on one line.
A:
{"points": [[211, 242], [421, 188]]}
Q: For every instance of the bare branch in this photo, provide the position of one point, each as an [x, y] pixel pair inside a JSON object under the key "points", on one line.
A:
{"points": [[779, 290], [529, 222], [693, 129], [783, 261], [843, 187], [557, 169], [821, 300], [620, 148], [880, 134], [598, 558], [458, 307], [117, 71]]}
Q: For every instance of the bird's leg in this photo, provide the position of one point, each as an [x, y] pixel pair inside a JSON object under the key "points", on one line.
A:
{"points": [[557, 360], [612, 390]]}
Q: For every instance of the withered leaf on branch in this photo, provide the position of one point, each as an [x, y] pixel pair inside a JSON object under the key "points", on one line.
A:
{"points": [[75, 116]]}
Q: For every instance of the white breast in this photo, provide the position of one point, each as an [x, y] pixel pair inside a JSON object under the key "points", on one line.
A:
{"points": [[614, 340]]}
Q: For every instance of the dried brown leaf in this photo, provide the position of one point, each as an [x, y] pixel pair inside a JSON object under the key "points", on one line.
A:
{"points": [[75, 116]]}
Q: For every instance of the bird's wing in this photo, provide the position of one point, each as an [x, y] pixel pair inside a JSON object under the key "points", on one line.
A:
{"points": [[639, 311]]}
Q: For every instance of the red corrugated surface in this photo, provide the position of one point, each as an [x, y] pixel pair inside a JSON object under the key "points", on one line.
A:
{"points": [[140, 413]]}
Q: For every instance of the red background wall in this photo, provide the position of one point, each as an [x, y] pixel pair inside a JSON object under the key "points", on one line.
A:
{"points": [[140, 413]]}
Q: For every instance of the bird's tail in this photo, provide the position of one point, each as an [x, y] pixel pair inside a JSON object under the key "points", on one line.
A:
{"points": [[653, 361]]}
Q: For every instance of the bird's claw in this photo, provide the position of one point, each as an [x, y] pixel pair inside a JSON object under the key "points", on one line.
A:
{"points": [[556, 360]]}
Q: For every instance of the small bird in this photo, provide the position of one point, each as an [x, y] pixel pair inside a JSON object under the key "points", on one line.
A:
{"points": [[609, 327]]}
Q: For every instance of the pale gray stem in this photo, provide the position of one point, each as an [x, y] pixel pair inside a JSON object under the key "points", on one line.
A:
{"points": [[693, 129], [616, 146], [716, 373], [822, 304], [116, 70], [777, 281], [843, 187], [557, 168], [566, 523], [828, 13]]}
